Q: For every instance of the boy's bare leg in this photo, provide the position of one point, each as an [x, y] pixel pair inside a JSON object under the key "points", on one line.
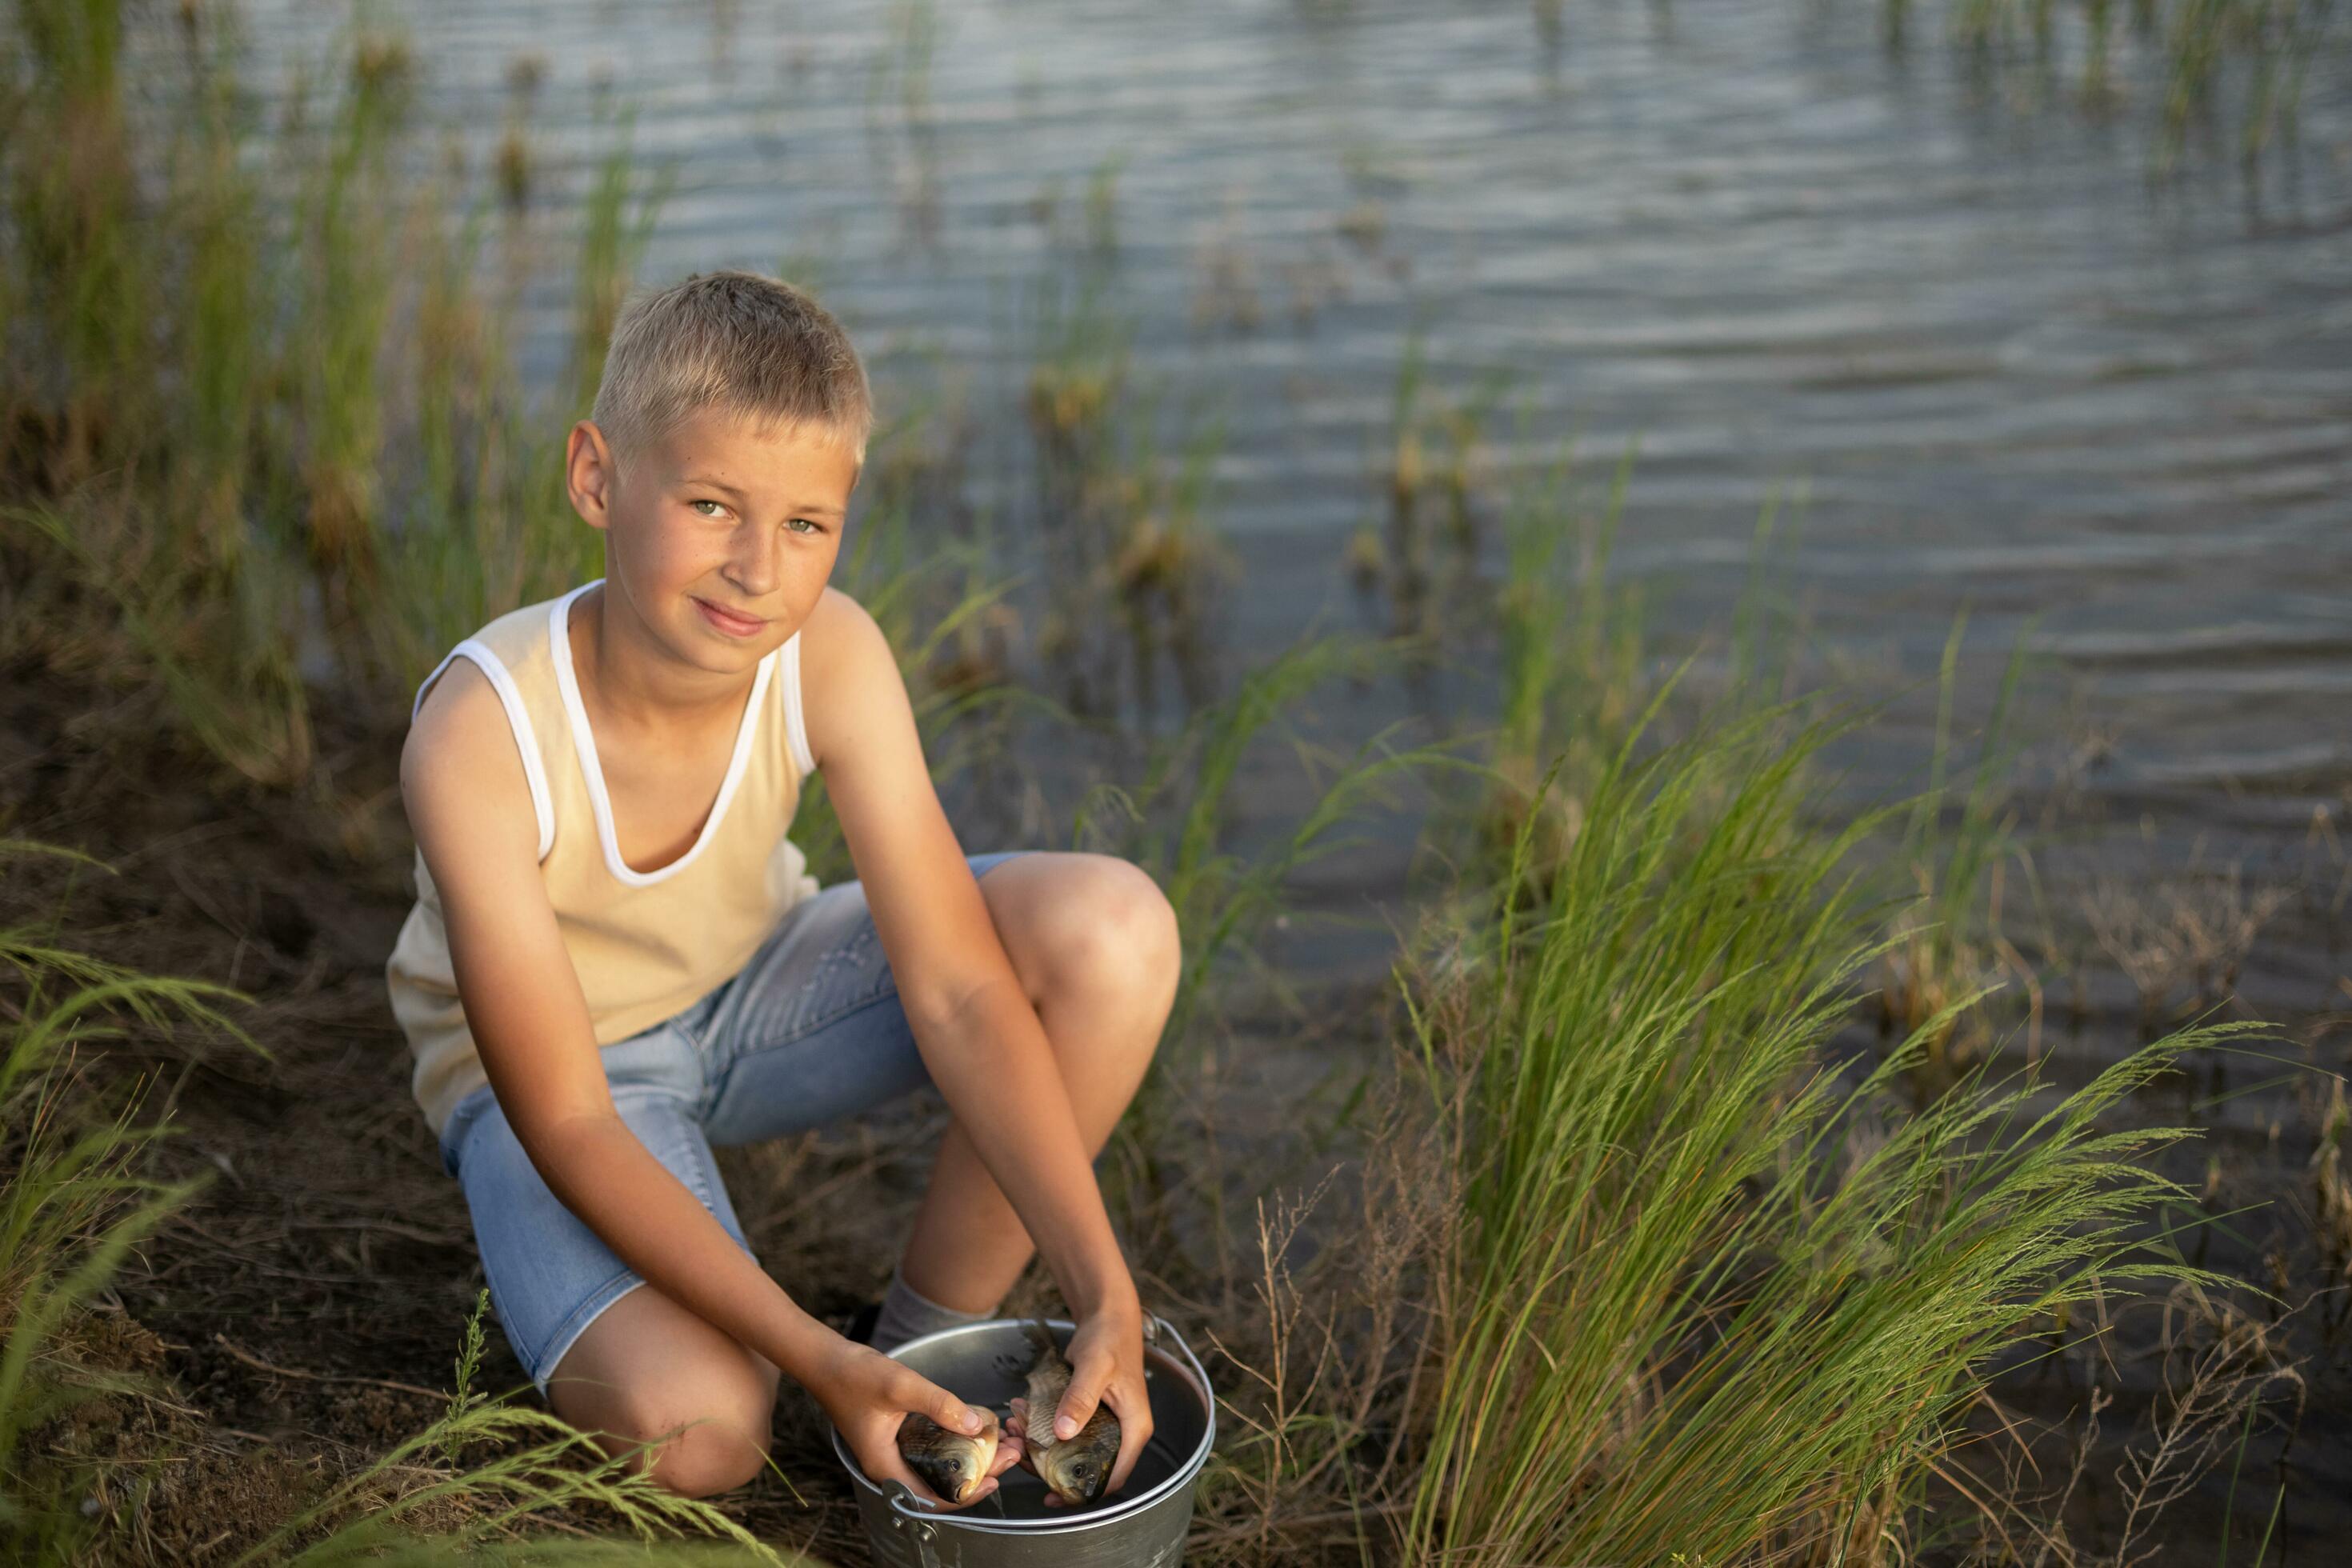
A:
{"points": [[648, 1366], [1096, 948]]}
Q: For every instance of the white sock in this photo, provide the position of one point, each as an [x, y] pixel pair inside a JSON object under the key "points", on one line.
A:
{"points": [[906, 1314]]}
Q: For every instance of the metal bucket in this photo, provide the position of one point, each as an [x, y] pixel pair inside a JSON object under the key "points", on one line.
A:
{"points": [[1141, 1526]]}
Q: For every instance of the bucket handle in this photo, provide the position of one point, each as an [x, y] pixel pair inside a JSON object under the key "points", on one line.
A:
{"points": [[1155, 1328], [907, 1514]]}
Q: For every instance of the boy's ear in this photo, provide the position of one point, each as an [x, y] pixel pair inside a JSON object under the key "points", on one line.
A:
{"points": [[589, 474]]}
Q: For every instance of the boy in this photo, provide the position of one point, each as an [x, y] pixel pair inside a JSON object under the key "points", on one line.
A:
{"points": [[617, 958]]}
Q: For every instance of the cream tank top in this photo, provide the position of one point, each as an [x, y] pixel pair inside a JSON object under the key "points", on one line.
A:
{"points": [[646, 944]]}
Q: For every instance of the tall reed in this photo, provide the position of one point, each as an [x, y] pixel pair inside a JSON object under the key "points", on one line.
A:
{"points": [[260, 425], [477, 518]]}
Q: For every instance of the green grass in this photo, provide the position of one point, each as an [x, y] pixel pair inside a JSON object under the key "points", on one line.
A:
{"points": [[342, 280], [618, 217], [1578, 659], [482, 522], [74, 1199], [1705, 1290], [1573, 656], [524, 1466]]}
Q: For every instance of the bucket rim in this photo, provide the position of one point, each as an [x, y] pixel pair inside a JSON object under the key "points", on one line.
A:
{"points": [[1158, 1332]]}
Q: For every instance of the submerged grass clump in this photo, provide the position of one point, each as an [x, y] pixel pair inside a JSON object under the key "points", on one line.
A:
{"points": [[1948, 944], [2197, 63], [1123, 492], [1573, 676]]}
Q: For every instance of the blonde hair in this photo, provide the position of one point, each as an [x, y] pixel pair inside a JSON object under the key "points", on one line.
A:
{"points": [[753, 345]]}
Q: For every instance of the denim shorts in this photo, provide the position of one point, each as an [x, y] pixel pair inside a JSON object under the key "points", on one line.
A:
{"points": [[808, 1031]]}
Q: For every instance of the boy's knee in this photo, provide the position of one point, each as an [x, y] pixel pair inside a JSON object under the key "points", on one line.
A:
{"points": [[699, 1441], [707, 1459], [1116, 930]]}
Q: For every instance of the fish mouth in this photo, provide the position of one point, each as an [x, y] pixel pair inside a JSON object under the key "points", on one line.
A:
{"points": [[965, 1492]]}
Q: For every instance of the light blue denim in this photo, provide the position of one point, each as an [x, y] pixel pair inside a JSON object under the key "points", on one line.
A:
{"points": [[808, 1031]]}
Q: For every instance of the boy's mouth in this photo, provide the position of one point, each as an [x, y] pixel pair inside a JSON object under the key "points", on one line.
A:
{"points": [[727, 621]]}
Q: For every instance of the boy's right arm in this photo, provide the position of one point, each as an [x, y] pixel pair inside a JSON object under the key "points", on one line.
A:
{"points": [[469, 806]]}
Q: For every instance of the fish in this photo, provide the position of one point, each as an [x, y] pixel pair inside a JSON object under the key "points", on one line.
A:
{"points": [[950, 1464], [1074, 1469]]}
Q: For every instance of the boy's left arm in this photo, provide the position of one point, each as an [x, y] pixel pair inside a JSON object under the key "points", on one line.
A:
{"points": [[978, 1033]]}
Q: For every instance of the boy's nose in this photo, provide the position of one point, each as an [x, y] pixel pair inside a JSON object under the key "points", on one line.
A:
{"points": [[753, 565]]}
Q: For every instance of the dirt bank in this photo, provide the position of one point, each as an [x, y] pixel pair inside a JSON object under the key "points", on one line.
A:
{"points": [[306, 1306]]}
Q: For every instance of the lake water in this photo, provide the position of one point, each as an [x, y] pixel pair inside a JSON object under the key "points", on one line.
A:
{"points": [[2004, 363]]}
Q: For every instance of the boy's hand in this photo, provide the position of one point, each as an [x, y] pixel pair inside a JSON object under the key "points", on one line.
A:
{"points": [[868, 1396], [1105, 1356]]}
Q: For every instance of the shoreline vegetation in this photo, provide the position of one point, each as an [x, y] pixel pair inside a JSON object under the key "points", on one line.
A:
{"points": [[1699, 1184]]}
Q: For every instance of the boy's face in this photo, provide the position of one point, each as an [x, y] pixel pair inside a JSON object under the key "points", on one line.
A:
{"points": [[721, 534]]}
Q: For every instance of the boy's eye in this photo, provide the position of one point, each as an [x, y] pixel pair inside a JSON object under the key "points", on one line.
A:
{"points": [[717, 509]]}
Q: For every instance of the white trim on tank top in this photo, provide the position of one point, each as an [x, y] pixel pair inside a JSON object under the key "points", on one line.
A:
{"points": [[583, 742], [517, 720], [795, 730]]}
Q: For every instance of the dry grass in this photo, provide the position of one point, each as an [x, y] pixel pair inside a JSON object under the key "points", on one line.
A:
{"points": [[2182, 940]]}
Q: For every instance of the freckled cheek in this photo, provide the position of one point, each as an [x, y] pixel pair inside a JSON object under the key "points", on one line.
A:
{"points": [[676, 557]]}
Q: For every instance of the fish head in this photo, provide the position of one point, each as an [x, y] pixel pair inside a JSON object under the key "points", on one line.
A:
{"points": [[1076, 1473], [960, 1476], [950, 1464]]}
